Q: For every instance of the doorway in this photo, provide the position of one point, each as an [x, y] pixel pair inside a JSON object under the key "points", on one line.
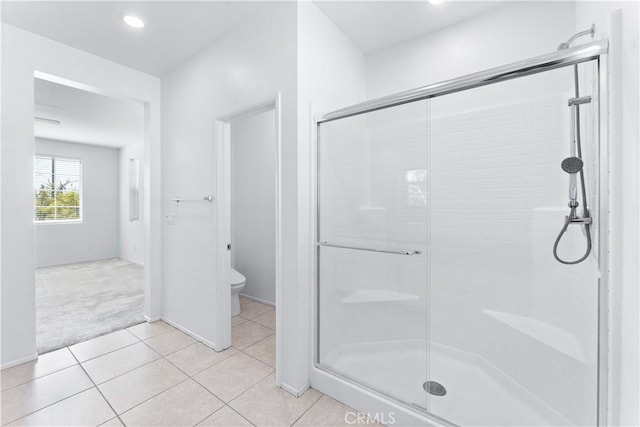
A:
{"points": [[88, 214], [249, 223]]}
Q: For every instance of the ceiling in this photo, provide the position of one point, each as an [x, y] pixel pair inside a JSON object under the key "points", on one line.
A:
{"points": [[375, 25], [86, 117], [174, 30]]}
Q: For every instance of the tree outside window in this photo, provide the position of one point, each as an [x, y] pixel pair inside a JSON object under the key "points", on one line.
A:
{"points": [[57, 189]]}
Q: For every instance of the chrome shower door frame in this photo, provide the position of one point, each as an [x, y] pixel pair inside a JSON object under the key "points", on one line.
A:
{"points": [[323, 377]]}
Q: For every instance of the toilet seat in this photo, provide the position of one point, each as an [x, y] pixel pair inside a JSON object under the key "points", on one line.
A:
{"points": [[236, 278]]}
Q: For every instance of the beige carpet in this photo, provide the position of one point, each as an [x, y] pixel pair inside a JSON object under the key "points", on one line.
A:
{"points": [[77, 302]]}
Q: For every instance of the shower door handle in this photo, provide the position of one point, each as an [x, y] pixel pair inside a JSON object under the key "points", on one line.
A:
{"points": [[359, 248]]}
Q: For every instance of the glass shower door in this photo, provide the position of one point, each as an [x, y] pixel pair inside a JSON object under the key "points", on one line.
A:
{"points": [[513, 332], [372, 257], [437, 284]]}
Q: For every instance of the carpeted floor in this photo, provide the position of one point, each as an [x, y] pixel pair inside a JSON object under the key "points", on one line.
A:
{"points": [[76, 302]]}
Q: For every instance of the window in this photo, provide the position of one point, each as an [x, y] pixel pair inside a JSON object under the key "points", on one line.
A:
{"points": [[57, 189], [417, 187]]}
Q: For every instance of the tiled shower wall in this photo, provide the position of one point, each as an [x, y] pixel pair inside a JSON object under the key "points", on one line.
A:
{"points": [[498, 200]]}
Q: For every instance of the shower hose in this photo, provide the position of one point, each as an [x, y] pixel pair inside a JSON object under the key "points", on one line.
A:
{"points": [[572, 217]]}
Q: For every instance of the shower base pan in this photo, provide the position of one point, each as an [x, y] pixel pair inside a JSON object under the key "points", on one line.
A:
{"points": [[399, 369]]}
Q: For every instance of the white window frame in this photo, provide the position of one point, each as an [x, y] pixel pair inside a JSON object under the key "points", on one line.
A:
{"points": [[80, 207]]}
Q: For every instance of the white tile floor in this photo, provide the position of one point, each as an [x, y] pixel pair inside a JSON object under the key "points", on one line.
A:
{"points": [[154, 375]]}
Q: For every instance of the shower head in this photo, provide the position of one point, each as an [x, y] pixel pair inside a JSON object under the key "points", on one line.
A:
{"points": [[591, 31], [571, 165]]}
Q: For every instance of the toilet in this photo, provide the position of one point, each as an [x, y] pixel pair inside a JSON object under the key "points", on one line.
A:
{"points": [[237, 283]]}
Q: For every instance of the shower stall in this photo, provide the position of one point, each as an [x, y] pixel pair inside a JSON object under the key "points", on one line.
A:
{"points": [[438, 287]]}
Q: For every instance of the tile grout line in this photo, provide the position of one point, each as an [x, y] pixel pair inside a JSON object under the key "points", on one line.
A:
{"points": [[218, 410], [243, 417], [211, 414], [151, 397], [191, 377], [51, 404], [256, 359], [210, 366], [255, 317], [251, 345], [103, 354], [253, 357], [256, 323], [262, 379], [261, 339], [160, 356], [174, 351], [310, 406], [78, 363], [250, 387], [170, 329], [42, 376], [131, 370], [99, 391], [202, 385]]}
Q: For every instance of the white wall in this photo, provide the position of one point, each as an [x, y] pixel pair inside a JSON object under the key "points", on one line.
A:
{"points": [[249, 64], [509, 33], [618, 21], [331, 74], [96, 237], [131, 233], [253, 203], [24, 54]]}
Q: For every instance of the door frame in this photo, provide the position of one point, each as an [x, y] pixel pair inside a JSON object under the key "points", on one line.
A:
{"points": [[151, 189], [222, 154]]}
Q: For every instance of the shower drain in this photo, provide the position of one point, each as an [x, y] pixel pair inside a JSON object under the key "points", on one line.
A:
{"points": [[435, 388]]}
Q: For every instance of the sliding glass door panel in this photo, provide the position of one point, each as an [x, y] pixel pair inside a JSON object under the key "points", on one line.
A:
{"points": [[513, 331], [372, 275]]}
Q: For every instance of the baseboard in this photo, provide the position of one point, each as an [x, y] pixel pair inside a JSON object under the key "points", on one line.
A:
{"points": [[19, 361], [152, 319], [131, 261], [190, 333], [259, 300], [84, 260], [295, 392]]}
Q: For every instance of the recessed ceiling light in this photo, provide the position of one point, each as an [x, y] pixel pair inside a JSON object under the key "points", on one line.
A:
{"points": [[133, 21], [435, 2]]}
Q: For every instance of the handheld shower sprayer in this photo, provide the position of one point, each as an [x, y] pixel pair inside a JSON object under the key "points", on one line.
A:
{"points": [[573, 165]]}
